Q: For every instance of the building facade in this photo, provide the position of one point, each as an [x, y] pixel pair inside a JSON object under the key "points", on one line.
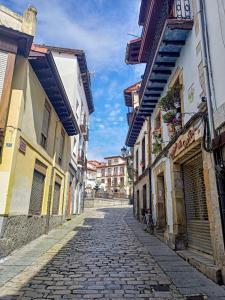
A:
{"points": [[73, 70], [113, 178], [141, 153], [181, 95], [46, 101], [91, 181]]}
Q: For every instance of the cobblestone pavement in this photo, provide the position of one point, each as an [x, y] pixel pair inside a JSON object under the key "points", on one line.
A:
{"points": [[101, 259], [102, 254]]}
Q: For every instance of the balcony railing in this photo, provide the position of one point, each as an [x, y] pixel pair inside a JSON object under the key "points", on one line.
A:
{"points": [[162, 10]]}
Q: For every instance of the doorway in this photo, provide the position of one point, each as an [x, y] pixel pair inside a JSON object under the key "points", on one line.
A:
{"points": [[161, 204]]}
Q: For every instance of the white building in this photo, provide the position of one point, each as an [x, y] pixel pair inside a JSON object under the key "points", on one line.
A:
{"points": [[75, 76], [182, 92], [113, 178]]}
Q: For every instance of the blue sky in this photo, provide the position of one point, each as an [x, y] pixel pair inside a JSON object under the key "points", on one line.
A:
{"points": [[101, 28]]}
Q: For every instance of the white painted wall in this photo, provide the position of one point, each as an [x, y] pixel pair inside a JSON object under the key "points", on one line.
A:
{"points": [[69, 71], [188, 61]]}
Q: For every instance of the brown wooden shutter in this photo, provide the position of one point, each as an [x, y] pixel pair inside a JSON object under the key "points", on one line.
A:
{"points": [[3, 65], [56, 199], [36, 193], [46, 118]]}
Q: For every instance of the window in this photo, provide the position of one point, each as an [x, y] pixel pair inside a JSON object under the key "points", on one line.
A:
{"points": [[103, 172], [115, 170], [121, 170], [137, 162], [103, 180], [115, 181], [109, 162], [45, 125], [37, 189], [116, 161], [56, 198], [109, 171], [109, 181], [3, 64], [121, 181], [61, 146], [143, 154]]}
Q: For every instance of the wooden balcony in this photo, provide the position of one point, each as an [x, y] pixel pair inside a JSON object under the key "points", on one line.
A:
{"points": [[164, 35]]}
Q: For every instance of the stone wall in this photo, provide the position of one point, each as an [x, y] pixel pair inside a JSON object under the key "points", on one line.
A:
{"points": [[20, 230], [101, 202]]}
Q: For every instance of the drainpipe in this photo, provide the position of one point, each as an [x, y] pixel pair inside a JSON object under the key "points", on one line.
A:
{"points": [[47, 226], [207, 66], [210, 96], [149, 163]]}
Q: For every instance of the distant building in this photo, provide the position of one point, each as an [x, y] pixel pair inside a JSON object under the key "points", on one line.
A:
{"points": [[91, 179], [113, 178]]}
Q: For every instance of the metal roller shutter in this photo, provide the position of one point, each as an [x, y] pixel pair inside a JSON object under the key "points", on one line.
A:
{"points": [[3, 65], [36, 193], [198, 229], [55, 207]]}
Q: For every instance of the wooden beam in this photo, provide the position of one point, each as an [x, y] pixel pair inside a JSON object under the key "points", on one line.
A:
{"points": [[158, 80], [169, 53], [165, 64], [164, 72], [174, 42]]}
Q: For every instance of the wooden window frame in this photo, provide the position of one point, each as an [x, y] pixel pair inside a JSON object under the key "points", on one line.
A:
{"points": [[44, 136]]}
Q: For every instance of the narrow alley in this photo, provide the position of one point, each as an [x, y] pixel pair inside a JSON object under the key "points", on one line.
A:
{"points": [[101, 254]]}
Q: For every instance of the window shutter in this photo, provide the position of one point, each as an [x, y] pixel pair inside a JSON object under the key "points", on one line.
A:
{"points": [[55, 207], [46, 117], [36, 193], [3, 65]]}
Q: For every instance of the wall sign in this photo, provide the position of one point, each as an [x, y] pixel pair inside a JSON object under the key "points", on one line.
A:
{"points": [[22, 146], [183, 142]]}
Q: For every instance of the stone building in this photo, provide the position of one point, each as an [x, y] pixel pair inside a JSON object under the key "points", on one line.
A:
{"points": [[181, 92], [113, 178]]}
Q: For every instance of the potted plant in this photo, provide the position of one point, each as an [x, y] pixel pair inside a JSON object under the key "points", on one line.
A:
{"points": [[157, 133], [171, 101], [165, 104], [168, 116], [157, 147], [177, 123]]}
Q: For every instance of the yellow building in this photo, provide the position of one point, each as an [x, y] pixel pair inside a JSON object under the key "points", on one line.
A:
{"points": [[36, 122]]}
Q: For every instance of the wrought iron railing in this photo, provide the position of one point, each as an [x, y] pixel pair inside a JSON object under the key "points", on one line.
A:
{"points": [[162, 11]]}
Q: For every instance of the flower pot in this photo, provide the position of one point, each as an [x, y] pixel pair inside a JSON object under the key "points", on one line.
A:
{"points": [[177, 104], [178, 127]]}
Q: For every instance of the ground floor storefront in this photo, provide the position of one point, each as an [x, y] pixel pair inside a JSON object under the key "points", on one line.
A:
{"points": [[185, 203]]}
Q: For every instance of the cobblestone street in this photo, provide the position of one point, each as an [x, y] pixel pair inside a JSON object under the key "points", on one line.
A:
{"points": [[101, 258]]}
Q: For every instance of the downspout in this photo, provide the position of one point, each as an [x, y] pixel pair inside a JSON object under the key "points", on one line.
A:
{"points": [[149, 164], [50, 186], [207, 67], [210, 94]]}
